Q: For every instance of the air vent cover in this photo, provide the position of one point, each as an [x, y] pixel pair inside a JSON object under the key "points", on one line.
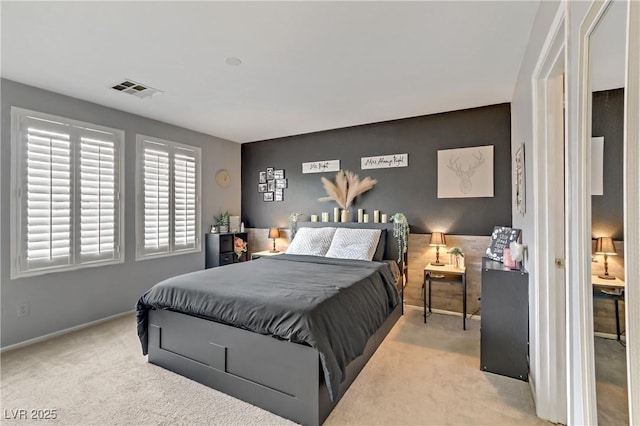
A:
{"points": [[136, 89]]}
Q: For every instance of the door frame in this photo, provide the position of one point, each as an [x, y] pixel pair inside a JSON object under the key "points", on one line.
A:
{"points": [[581, 320], [632, 209], [548, 330]]}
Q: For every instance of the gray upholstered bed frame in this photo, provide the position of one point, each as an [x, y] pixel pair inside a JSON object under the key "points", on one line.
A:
{"points": [[282, 377]]}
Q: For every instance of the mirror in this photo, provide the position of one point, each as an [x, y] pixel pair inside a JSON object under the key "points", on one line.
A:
{"points": [[607, 44]]}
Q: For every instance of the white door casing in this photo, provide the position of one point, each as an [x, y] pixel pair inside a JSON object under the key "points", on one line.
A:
{"points": [[548, 297]]}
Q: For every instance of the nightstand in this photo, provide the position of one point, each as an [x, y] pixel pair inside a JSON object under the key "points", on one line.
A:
{"points": [[259, 254], [449, 274]]}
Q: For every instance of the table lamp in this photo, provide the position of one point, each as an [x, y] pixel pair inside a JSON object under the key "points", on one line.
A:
{"points": [[438, 240], [604, 245], [274, 233]]}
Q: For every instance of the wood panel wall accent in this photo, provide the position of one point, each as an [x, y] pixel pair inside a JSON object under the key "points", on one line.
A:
{"points": [[445, 296], [448, 297]]}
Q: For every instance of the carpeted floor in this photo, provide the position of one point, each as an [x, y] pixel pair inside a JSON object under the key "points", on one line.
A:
{"points": [[421, 374], [611, 382]]}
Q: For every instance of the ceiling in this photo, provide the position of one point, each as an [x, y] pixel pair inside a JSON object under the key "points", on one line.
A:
{"points": [[306, 66]]}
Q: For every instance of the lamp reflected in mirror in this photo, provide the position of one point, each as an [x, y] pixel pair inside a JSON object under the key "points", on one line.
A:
{"points": [[604, 245]]}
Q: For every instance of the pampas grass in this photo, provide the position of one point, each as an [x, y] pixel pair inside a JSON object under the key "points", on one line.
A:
{"points": [[347, 187]]}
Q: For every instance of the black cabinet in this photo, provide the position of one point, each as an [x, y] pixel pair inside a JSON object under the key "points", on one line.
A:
{"points": [[219, 249], [504, 333]]}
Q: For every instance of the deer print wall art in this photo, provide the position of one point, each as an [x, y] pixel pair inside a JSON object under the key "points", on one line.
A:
{"points": [[465, 172]]}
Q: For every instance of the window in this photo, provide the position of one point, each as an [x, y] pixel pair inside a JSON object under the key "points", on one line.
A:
{"points": [[168, 198], [67, 187]]}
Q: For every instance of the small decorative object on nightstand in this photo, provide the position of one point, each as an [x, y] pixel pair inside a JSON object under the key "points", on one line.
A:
{"points": [[274, 233], [438, 240], [604, 245]]}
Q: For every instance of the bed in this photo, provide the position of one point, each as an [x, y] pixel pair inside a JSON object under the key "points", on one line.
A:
{"points": [[287, 333]]}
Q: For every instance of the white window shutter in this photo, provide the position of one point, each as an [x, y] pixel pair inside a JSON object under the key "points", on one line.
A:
{"points": [[66, 186], [185, 202], [99, 195], [156, 208], [168, 186], [46, 219]]}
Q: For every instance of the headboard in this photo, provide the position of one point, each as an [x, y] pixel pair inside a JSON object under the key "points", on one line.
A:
{"points": [[391, 249]]}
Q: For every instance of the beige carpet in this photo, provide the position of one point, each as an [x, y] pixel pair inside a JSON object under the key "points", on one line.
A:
{"points": [[422, 374], [611, 382]]}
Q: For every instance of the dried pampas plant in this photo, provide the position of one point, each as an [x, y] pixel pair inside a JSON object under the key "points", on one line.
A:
{"points": [[347, 187]]}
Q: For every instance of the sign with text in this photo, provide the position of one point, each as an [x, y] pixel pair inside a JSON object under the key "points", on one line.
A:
{"points": [[501, 237], [321, 166], [384, 161]]}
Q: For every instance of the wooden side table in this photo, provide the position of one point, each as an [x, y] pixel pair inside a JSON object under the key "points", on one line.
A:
{"points": [[446, 273], [617, 285], [259, 254]]}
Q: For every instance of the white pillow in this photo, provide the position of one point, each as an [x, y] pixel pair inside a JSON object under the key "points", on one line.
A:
{"points": [[354, 243], [311, 241]]}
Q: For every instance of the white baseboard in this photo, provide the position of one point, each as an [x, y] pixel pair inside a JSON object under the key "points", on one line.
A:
{"points": [[610, 336], [62, 332], [442, 311]]}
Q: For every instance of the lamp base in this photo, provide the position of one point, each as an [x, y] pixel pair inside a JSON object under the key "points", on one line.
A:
{"points": [[274, 251], [437, 264], [607, 277]]}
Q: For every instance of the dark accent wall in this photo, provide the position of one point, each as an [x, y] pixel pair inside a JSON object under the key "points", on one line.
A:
{"points": [[411, 190], [608, 121]]}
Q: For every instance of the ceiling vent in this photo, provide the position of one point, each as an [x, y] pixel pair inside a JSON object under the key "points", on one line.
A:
{"points": [[136, 89]]}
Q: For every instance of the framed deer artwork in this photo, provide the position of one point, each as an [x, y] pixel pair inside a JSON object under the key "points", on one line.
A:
{"points": [[465, 172]]}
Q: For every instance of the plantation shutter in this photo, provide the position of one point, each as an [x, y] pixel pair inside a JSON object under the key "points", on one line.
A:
{"points": [[66, 193], [45, 194], [184, 199], [168, 184], [156, 208], [99, 195]]}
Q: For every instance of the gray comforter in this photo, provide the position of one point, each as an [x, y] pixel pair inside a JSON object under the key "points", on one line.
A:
{"points": [[332, 305]]}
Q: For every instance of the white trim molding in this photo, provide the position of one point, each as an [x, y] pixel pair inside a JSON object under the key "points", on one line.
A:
{"points": [[548, 307], [63, 332], [582, 404], [632, 208]]}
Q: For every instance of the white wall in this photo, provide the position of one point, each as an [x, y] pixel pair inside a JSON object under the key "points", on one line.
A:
{"points": [[65, 299], [522, 132]]}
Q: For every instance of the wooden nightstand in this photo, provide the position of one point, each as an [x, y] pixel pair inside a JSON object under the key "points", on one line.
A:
{"points": [[259, 254], [446, 273]]}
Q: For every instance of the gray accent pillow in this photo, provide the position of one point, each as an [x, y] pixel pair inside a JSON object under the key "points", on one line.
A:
{"points": [[311, 241], [378, 256], [354, 243]]}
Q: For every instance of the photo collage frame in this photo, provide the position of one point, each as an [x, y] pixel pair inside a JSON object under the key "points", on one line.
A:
{"points": [[271, 184]]}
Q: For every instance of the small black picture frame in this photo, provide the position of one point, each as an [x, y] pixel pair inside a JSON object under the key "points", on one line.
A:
{"points": [[271, 185], [279, 195], [262, 177], [281, 183], [278, 174], [262, 187], [267, 196], [269, 173]]}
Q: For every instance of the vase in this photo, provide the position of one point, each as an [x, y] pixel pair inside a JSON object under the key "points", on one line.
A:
{"points": [[224, 229], [344, 216]]}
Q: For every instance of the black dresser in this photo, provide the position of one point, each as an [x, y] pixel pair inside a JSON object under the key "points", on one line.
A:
{"points": [[219, 249], [504, 324]]}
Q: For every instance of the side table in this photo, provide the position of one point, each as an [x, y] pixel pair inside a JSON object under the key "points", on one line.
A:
{"points": [[259, 254], [449, 274]]}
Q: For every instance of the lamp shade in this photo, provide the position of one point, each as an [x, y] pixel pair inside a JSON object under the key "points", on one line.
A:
{"points": [[274, 233], [437, 239], [604, 245]]}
